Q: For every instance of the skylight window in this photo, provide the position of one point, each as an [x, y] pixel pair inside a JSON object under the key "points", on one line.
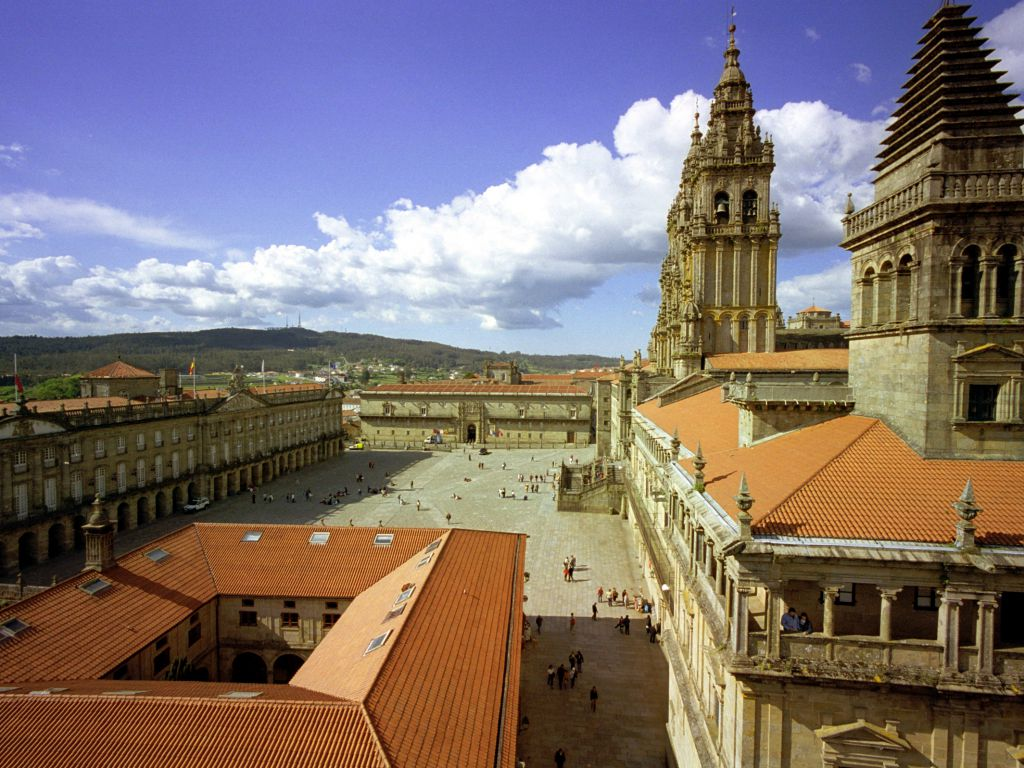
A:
{"points": [[95, 586], [383, 539], [158, 555], [320, 537], [8, 688], [252, 535], [424, 560], [241, 695], [395, 612], [406, 594], [123, 693], [46, 691], [11, 627], [433, 545], [377, 642]]}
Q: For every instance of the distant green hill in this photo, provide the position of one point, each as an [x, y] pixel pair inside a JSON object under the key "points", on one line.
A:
{"points": [[282, 349]]}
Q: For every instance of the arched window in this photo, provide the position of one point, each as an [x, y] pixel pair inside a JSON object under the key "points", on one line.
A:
{"points": [[721, 208], [1007, 280], [903, 295], [883, 301], [749, 206], [867, 297], [970, 281]]}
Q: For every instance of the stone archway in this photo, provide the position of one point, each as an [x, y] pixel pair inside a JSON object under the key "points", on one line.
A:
{"points": [[77, 524], [176, 500], [248, 668], [123, 521], [28, 550], [285, 667], [142, 511], [160, 507], [471, 433]]}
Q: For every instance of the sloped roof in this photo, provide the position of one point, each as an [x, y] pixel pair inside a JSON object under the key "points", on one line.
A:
{"points": [[441, 690], [813, 308], [119, 370], [790, 360], [848, 478]]}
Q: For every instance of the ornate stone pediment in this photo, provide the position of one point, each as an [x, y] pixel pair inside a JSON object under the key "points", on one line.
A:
{"points": [[861, 744], [241, 401], [989, 353], [20, 426]]}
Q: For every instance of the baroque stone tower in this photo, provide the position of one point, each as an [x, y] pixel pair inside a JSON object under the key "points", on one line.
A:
{"points": [[718, 279], [937, 339]]}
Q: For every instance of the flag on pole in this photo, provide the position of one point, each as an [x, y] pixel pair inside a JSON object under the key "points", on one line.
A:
{"points": [[19, 390], [192, 367]]}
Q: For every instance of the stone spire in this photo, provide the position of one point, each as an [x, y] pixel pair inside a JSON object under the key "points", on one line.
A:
{"points": [[99, 538], [744, 501], [698, 466], [967, 510]]}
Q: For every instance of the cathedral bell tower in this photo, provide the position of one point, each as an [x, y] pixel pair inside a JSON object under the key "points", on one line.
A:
{"points": [[937, 337], [718, 279]]}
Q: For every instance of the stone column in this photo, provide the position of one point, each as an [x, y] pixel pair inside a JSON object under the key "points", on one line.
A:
{"points": [[828, 621], [741, 619], [885, 619], [987, 290], [737, 267], [720, 576], [1018, 300], [719, 249], [915, 275], [949, 632], [956, 284], [985, 632], [773, 620]]}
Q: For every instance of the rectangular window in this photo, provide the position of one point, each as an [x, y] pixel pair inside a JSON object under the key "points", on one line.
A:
{"points": [[330, 619], [140, 473], [158, 438], [75, 451], [389, 409], [158, 469], [49, 456], [248, 602], [195, 633], [122, 478], [20, 461], [247, 618], [50, 494], [926, 599], [289, 620], [289, 603], [140, 441], [981, 402], [100, 449], [175, 437], [847, 595], [120, 444], [522, 412], [423, 410], [101, 481], [76, 487], [191, 461], [161, 661], [21, 500]]}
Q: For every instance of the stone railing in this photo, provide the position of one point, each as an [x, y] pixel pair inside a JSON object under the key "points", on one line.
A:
{"points": [[939, 187], [837, 395]]}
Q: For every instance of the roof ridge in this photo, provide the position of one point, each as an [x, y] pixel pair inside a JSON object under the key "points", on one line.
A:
{"points": [[874, 423]]}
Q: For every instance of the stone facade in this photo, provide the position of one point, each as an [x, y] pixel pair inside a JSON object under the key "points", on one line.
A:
{"points": [[718, 279], [453, 414], [148, 459], [938, 258]]}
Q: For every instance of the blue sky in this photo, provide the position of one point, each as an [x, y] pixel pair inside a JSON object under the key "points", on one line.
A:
{"points": [[488, 174]]}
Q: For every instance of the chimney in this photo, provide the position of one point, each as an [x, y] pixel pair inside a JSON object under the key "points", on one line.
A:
{"points": [[99, 538]]}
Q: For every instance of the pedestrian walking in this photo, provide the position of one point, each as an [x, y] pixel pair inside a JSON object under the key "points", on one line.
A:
{"points": [[540, 620], [561, 676], [417, 505], [600, 594], [625, 623], [572, 677], [551, 675], [571, 569], [448, 518], [560, 758], [579, 662], [593, 698], [572, 622], [593, 611]]}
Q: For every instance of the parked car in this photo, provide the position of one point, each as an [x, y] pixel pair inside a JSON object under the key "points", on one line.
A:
{"points": [[484, 452], [197, 505], [357, 446]]}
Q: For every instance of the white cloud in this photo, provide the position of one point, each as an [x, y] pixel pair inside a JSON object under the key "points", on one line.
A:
{"points": [[812, 33], [1006, 33], [84, 216], [861, 72], [12, 155], [508, 256], [829, 288]]}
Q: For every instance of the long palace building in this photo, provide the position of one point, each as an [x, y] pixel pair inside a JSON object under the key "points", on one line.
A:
{"points": [[147, 447]]}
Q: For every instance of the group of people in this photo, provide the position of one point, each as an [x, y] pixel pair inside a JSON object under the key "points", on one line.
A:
{"points": [[791, 622], [566, 676], [640, 603], [568, 567]]}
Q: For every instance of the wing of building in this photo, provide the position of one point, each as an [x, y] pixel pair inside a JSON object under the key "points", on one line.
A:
{"points": [[333, 646], [837, 535]]}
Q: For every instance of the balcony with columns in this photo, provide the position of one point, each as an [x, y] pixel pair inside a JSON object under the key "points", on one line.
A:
{"points": [[951, 636]]}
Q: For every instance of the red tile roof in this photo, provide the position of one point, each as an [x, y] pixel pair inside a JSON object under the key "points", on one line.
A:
{"points": [[850, 477], [441, 691], [791, 360], [119, 370]]}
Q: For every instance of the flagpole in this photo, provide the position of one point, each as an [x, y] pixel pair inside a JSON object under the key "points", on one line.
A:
{"points": [[263, 374], [194, 397], [17, 394]]}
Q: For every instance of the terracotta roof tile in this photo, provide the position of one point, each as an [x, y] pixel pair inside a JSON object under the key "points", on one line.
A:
{"points": [[791, 360], [851, 477], [119, 370], [199, 733]]}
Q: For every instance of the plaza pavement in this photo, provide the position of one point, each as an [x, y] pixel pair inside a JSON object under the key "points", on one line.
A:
{"points": [[630, 674]]}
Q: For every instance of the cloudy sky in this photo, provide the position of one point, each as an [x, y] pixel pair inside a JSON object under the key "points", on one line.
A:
{"points": [[479, 172]]}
